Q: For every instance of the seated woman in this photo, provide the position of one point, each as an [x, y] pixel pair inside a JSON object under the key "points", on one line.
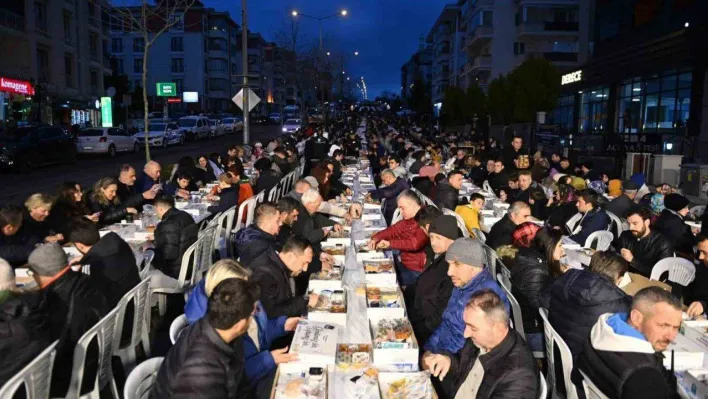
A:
{"points": [[69, 206], [37, 227], [104, 201], [261, 363], [206, 170]]}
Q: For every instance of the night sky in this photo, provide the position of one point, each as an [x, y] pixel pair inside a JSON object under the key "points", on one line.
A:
{"points": [[385, 32]]}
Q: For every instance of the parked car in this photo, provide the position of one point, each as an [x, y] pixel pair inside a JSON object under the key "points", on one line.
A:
{"points": [[233, 125], [195, 127], [105, 140], [292, 125], [217, 128], [275, 117], [315, 116], [259, 120], [26, 147], [161, 134]]}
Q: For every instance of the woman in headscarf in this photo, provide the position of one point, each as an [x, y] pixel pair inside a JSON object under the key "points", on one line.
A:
{"points": [[561, 207]]}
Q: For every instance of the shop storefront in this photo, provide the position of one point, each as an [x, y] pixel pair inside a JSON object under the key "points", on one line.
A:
{"points": [[15, 101], [81, 113]]}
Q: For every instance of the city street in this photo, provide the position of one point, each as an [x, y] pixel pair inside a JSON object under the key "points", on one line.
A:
{"points": [[16, 187]]}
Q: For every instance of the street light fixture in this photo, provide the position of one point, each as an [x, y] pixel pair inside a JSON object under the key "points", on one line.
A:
{"points": [[356, 53], [328, 54], [344, 13], [294, 13]]}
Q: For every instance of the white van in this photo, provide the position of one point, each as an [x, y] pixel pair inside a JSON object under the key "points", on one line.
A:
{"points": [[195, 127]]}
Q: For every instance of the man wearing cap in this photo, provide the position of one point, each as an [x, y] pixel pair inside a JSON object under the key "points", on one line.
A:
{"points": [[466, 259], [66, 289], [433, 288], [623, 203], [671, 224], [394, 186]]}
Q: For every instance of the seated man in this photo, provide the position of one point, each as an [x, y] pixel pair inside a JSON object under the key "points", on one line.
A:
{"points": [[149, 179], [313, 226], [594, 218], [533, 196], [179, 188], [623, 203], [273, 271], [446, 193], [113, 268], [208, 359], [641, 245], [671, 223], [500, 234], [623, 354], [289, 209], [494, 362], [13, 248], [695, 296], [128, 192], [470, 212], [405, 236], [394, 187], [499, 178], [466, 259], [260, 236], [175, 233]]}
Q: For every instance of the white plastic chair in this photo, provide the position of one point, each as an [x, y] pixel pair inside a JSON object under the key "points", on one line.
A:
{"points": [[697, 211], [543, 388], [140, 297], [616, 221], [178, 324], [479, 234], [207, 247], [681, 271], [517, 319], [144, 266], [554, 339], [601, 240], [573, 221], [591, 390], [396, 216], [492, 258], [162, 292], [224, 225], [104, 332], [249, 208], [142, 378], [460, 221], [486, 187], [36, 376]]}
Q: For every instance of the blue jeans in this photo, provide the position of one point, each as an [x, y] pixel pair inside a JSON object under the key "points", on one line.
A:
{"points": [[535, 341], [405, 276]]}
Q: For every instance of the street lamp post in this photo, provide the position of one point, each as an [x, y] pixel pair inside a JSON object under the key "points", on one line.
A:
{"points": [[319, 20]]}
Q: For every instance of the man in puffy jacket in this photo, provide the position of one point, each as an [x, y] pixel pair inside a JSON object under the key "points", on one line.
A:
{"points": [[641, 245], [407, 237], [466, 259], [174, 234], [394, 187], [500, 233], [494, 362], [259, 237], [446, 193], [13, 248], [671, 224], [594, 218]]}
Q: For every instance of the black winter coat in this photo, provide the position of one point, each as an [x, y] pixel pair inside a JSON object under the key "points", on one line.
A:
{"points": [[428, 297], [559, 215], [620, 205], [697, 290], [424, 185], [113, 268], [35, 232], [228, 198], [538, 208], [14, 249], [390, 193], [477, 174], [129, 196], [90, 305], [112, 213], [310, 227], [252, 242], [266, 180], [498, 180], [276, 296], [529, 278], [647, 251], [446, 196], [283, 164], [510, 370], [500, 233], [672, 225], [173, 236], [576, 300], [201, 365]]}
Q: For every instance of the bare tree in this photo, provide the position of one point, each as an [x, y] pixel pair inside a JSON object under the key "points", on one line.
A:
{"points": [[149, 20], [303, 58]]}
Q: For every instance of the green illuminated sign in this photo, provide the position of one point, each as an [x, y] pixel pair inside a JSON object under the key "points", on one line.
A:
{"points": [[166, 89], [106, 112]]}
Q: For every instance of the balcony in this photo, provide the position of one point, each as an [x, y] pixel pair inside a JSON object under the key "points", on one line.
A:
{"points": [[481, 63], [11, 22], [480, 36], [476, 5], [561, 57], [548, 28], [218, 52], [215, 32]]}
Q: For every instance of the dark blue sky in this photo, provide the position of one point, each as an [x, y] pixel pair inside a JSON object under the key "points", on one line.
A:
{"points": [[385, 32]]}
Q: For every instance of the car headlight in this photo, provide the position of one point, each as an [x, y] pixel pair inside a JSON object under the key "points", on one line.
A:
{"points": [[285, 129]]}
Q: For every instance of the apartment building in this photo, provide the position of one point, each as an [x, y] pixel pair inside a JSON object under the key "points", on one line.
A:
{"points": [[418, 67], [442, 38], [53, 63]]}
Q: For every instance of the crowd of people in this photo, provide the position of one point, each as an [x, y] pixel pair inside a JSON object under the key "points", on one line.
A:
{"points": [[243, 312]]}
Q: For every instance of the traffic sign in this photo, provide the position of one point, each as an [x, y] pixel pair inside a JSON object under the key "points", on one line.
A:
{"points": [[253, 99], [166, 89]]}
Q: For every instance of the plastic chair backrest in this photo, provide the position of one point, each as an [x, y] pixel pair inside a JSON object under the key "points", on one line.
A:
{"points": [[479, 234], [554, 339], [202, 257], [224, 225], [591, 390], [543, 388], [249, 208], [486, 187], [681, 271], [601, 240], [616, 221], [186, 270], [274, 194], [148, 257], [178, 324], [460, 221], [492, 259], [570, 224], [516, 317], [104, 332], [36, 376], [140, 297], [697, 211], [142, 378], [396, 216]]}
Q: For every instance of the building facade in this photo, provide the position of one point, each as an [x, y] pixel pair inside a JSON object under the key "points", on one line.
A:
{"points": [[418, 67], [56, 51], [442, 38]]}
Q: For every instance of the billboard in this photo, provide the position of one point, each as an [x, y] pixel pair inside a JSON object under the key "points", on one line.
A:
{"points": [[190, 97]]}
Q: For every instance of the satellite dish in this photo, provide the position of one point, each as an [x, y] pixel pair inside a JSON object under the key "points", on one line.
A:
{"points": [[111, 91]]}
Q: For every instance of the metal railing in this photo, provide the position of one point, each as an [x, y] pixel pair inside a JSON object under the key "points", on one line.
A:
{"points": [[11, 20]]}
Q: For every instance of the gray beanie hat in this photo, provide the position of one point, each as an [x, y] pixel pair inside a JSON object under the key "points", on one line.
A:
{"points": [[47, 260], [313, 182], [7, 276], [467, 251]]}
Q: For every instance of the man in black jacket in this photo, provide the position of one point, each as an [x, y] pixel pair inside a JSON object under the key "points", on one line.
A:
{"points": [[75, 305], [273, 271], [280, 158], [533, 196], [446, 193], [311, 225], [208, 359], [695, 296], [394, 186], [641, 246], [671, 223], [259, 237], [175, 233], [621, 205], [433, 288], [113, 268], [511, 154], [500, 233], [499, 178], [128, 192], [13, 248], [494, 363], [623, 355], [289, 209]]}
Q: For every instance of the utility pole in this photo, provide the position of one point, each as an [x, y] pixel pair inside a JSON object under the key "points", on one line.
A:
{"points": [[244, 63]]}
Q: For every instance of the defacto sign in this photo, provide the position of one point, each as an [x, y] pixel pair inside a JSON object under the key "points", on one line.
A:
{"points": [[166, 89], [106, 112], [572, 77], [16, 86]]}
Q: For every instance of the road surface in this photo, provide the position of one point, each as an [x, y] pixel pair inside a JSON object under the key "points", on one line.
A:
{"points": [[16, 187]]}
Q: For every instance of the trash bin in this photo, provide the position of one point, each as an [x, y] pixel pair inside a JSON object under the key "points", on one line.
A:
{"points": [[693, 177]]}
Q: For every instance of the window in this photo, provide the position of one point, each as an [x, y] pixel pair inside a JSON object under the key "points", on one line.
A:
{"points": [[68, 31], [177, 65], [218, 24], [93, 80], [218, 45], [481, 18], [179, 85], [562, 116], [519, 48], [138, 44], [219, 84], [116, 24], [118, 66], [593, 110], [177, 44], [93, 46], [176, 22], [116, 45], [43, 65], [40, 16], [138, 65], [218, 65], [68, 70]]}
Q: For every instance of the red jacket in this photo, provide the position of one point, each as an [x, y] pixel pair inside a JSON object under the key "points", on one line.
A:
{"points": [[407, 237]]}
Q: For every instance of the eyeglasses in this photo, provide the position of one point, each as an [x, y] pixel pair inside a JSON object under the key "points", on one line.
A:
{"points": [[30, 272]]}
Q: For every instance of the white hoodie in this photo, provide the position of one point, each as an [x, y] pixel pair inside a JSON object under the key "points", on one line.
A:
{"points": [[604, 338]]}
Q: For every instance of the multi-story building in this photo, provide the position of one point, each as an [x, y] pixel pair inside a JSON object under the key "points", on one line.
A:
{"points": [[442, 38], [418, 67], [53, 61]]}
